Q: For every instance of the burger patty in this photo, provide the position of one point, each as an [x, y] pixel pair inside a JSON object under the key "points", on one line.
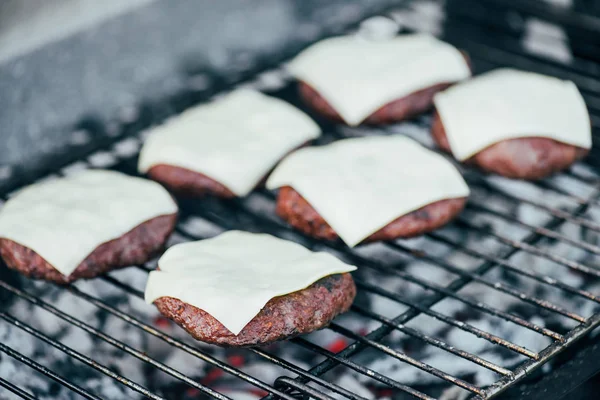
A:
{"points": [[520, 158], [190, 183], [135, 247], [398, 110], [404, 108], [293, 208], [186, 182], [281, 318]]}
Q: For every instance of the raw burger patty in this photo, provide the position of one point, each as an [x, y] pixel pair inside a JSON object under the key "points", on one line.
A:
{"points": [[398, 110], [281, 318], [135, 247], [521, 158], [293, 208]]}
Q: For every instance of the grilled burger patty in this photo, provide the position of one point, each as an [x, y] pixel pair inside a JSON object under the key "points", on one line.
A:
{"points": [[398, 110], [293, 208], [520, 158], [281, 318], [186, 182], [135, 247]]}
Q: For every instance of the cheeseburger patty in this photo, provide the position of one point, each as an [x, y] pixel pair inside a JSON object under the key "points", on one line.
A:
{"points": [[293, 208], [186, 182], [135, 247], [190, 183], [520, 158], [398, 110], [281, 318]]}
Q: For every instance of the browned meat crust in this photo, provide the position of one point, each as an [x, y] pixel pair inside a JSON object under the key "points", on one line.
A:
{"points": [[293, 208], [398, 110], [282, 317], [521, 158], [135, 247], [186, 182]]}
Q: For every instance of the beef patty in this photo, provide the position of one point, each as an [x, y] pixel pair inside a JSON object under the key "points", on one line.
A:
{"points": [[520, 158], [293, 208], [188, 183], [281, 318], [398, 110], [135, 247]]}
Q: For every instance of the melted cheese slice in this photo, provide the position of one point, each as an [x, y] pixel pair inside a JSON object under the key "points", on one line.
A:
{"points": [[358, 76], [233, 275], [64, 220], [360, 185], [507, 104], [235, 140]]}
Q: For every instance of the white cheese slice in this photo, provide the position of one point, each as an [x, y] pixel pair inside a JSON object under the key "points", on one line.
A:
{"points": [[360, 185], [233, 275], [64, 220], [507, 104], [358, 76], [235, 140]]}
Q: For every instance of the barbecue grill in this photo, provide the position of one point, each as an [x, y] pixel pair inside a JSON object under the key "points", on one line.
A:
{"points": [[503, 303]]}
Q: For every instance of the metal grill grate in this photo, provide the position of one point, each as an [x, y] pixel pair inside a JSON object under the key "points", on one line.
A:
{"points": [[493, 250]]}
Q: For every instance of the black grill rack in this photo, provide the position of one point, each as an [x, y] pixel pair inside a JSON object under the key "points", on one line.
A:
{"points": [[490, 44]]}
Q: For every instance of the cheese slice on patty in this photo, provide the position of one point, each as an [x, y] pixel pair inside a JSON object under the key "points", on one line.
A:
{"points": [[358, 76], [360, 185], [235, 140], [508, 104], [66, 219], [233, 275]]}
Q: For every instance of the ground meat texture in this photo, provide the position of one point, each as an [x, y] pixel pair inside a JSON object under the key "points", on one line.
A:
{"points": [[293, 208], [521, 158], [188, 183], [281, 318], [135, 247]]}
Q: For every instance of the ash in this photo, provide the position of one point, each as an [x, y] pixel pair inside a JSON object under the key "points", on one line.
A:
{"points": [[510, 210]]}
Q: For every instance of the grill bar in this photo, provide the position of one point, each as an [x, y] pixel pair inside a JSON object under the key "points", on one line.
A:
{"points": [[499, 286], [507, 265], [287, 383], [108, 339], [428, 285], [433, 341], [78, 356], [542, 231], [425, 310], [545, 355], [530, 249], [16, 390], [359, 368], [403, 357], [305, 375], [168, 339], [555, 212], [40, 368], [553, 13]]}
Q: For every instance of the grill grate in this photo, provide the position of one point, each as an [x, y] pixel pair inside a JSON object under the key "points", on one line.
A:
{"points": [[490, 45]]}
